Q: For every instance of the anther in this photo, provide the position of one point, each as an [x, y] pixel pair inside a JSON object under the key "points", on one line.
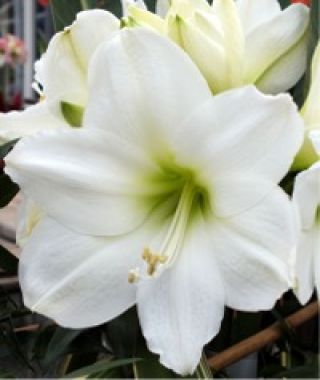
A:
{"points": [[152, 260], [133, 276]]}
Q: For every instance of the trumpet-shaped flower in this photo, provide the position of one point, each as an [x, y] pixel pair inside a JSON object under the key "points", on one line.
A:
{"points": [[167, 198], [62, 74], [237, 42], [306, 197], [310, 112]]}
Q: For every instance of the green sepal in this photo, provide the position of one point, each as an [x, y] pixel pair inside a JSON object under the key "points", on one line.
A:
{"points": [[72, 113], [5, 148]]}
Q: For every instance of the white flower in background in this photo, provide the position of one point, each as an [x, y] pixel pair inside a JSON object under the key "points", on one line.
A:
{"points": [[314, 135], [310, 112], [167, 198], [127, 3], [306, 197], [236, 42], [62, 73]]}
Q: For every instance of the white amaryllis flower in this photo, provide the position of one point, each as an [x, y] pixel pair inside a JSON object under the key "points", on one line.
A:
{"points": [[306, 197], [310, 112], [237, 42], [62, 74], [167, 198]]}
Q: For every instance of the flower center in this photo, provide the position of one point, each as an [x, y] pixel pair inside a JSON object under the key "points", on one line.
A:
{"points": [[191, 196]]}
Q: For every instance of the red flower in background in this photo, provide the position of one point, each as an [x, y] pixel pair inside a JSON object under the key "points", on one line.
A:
{"points": [[306, 2], [43, 3]]}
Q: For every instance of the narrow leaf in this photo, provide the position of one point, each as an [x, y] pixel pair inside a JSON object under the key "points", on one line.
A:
{"points": [[284, 3], [5, 148], [59, 343], [102, 365]]}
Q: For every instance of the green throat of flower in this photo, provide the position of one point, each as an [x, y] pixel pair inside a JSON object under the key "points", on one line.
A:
{"points": [[191, 200], [318, 216]]}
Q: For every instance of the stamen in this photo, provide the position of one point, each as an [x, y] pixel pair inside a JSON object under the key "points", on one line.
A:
{"points": [[133, 276], [173, 241], [152, 260]]}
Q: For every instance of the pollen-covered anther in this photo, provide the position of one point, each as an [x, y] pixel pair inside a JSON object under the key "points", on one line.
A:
{"points": [[153, 260], [133, 276]]}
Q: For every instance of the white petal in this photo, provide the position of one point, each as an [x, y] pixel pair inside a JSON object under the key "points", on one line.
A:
{"points": [[206, 53], [77, 280], [232, 196], [141, 87], [316, 260], [306, 195], [63, 68], [181, 310], [306, 198], [127, 3], [310, 109], [314, 136], [162, 7], [80, 280], [34, 119], [91, 182], [90, 29], [270, 41], [253, 249], [234, 40], [305, 265], [242, 132], [29, 215], [285, 72], [254, 13]]}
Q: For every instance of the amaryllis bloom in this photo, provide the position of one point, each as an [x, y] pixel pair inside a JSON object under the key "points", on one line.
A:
{"points": [[62, 75], [167, 198], [237, 42], [306, 197], [310, 112]]}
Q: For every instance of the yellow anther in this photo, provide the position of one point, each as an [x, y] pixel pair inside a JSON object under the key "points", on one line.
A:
{"points": [[146, 255], [153, 260], [133, 276]]}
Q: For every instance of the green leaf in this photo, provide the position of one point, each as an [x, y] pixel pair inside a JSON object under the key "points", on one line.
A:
{"points": [[150, 366], [314, 25], [314, 37], [8, 189], [59, 343], [64, 12], [122, 334], [5, 148], [72, 113], [101, 366], [309, 371], [284, 3], [6, 375], [8, 262]]}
